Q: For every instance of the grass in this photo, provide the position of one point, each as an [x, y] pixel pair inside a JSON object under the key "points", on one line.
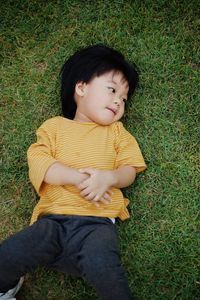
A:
{"points": [[160, 243]]}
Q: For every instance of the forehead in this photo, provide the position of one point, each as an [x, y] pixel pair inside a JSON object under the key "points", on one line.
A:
{"points": [[115, 77]]}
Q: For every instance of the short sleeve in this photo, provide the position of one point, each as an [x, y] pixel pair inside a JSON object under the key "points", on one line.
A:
{"points": [[41, 155], [127, 148]]}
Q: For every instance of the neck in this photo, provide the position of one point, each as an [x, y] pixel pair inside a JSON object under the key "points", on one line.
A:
{"points": [[81, 118]]}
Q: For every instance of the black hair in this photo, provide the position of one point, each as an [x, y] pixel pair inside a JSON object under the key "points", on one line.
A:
{"points": [[87, 63]]}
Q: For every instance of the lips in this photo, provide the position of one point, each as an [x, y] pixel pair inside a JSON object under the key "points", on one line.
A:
{"points": [[112, 110]]}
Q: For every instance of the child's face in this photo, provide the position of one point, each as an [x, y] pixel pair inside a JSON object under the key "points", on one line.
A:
{"points": [[102, 100]]}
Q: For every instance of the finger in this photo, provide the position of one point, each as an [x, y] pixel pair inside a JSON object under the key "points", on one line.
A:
{"points": [[89, 171], [96, 198], [84, 184], [96, 204], [96, 201], [104, 201], [107, 197], [85, 192], [90, 197], [81, 186], [110, 192]]}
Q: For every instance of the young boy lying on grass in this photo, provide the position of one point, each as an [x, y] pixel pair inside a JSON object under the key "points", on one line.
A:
{"points": [[77, 166]]}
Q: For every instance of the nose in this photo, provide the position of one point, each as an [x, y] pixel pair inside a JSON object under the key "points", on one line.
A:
{"points": [[117, 101]]}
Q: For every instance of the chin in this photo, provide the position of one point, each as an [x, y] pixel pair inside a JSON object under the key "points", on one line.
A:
{"points": [[105, 123]]}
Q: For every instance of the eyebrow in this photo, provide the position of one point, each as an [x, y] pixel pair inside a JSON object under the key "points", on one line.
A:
{"points": [[112, 81]]}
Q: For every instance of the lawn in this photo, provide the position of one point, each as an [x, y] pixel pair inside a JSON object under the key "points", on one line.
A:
{"points": [[160, 243]]}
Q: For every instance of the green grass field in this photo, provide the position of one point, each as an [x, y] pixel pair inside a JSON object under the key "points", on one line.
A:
{"points": [[160, 244]]}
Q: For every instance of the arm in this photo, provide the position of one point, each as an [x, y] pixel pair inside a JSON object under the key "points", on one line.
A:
{"points": [[59, 174], [43, 165], [123, 176]]}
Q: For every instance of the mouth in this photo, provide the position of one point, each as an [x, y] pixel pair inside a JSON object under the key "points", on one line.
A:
{"points": [[112, 110]]}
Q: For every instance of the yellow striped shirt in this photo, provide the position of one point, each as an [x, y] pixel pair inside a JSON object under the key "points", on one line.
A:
{"points": [[80, 145]]}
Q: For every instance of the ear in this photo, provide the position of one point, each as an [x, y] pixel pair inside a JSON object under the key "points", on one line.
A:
{"points": [[80, 88]]}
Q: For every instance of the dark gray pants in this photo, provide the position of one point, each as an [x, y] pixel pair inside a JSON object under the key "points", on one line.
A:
{"points": [[81, 246]]}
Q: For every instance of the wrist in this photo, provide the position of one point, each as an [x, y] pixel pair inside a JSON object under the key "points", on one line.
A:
{"points": [[112, 179], [123, 176], [80, 177]]}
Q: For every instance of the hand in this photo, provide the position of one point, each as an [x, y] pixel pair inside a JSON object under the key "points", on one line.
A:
{"points": [[96, 188]]}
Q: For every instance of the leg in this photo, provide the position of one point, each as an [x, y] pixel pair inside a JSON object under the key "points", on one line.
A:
{"points": [[23, 252], [10, 294], [100, 264]]}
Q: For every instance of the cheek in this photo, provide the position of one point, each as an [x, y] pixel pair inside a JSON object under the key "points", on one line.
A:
{"points": [[120, 114], [122, 109], [93, 106]]}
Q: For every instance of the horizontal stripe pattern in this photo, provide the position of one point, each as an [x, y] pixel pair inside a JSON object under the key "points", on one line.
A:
{"points": [[80, 145]]}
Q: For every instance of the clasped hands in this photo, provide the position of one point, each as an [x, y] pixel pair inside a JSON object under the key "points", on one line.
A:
{"points": [[96, 188]]}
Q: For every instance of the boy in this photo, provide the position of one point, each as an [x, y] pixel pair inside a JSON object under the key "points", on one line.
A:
{"points": [[77, 166]]}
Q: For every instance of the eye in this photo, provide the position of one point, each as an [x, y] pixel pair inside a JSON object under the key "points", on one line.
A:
{"points": [[112, 89], [124, 100]]}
